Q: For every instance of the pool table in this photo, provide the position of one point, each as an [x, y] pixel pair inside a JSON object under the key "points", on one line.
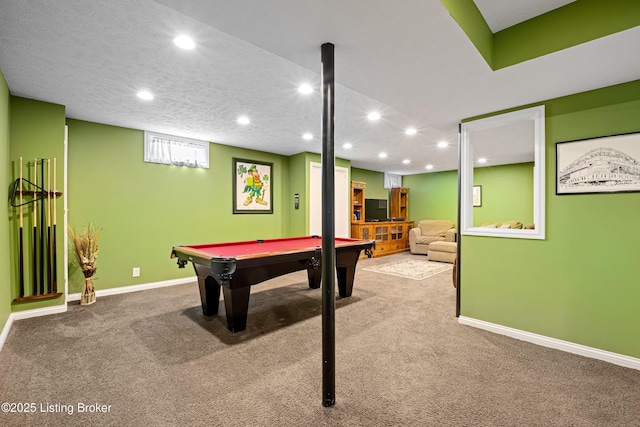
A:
{"points": [[236, 266]]}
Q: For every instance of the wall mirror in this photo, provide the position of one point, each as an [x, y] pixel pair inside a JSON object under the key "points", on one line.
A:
{"points": [[515, 138]]}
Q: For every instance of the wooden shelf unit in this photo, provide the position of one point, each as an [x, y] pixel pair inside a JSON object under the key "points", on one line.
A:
{"points": [[400, 203], [357, 201], [391, 236]]}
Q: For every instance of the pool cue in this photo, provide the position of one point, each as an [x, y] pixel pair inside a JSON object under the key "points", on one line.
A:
{"points": [[42, 241], [55, 245], [35, 230], [21, 241], [48, 226]]}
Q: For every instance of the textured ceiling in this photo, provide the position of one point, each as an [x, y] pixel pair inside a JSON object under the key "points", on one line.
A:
{"points": [[409, 60]]}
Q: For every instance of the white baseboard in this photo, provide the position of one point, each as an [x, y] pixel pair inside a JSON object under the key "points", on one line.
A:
{"points": [[569, 347], [18, 315], [135, 288], [37, 312], [5, 330]]}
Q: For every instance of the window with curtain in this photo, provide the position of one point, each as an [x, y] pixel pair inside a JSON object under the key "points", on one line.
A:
{"points": [[175, 150], [392, 181]]}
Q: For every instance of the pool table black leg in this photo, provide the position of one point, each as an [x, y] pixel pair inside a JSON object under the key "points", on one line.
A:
{"points": [[346, 268], [345, 280], [315, 275], [236, 304], [209, 295]]}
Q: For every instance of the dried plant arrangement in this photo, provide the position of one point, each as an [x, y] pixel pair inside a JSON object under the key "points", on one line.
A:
{"points": [[85, 244]]}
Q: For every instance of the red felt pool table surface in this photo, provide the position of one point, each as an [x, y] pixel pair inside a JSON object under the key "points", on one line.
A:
{"points": [[256, 248]]}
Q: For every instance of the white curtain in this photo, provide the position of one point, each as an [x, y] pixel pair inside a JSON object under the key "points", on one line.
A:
{"points": [[392, 181], [157, 150], [175, 151]]}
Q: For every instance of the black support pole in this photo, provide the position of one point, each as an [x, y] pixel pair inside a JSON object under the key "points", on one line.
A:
{"points": [[328, 231]]}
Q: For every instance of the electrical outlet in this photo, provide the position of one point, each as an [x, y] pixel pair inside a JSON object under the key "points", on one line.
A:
{"points": [[136, 271]]}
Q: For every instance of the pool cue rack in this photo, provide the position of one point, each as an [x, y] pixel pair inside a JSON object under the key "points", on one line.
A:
{"points": [[41, 206]]}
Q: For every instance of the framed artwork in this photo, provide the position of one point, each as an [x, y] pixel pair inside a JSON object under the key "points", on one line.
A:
{"points": [[252, 184], [477, 195], [609, 164]]}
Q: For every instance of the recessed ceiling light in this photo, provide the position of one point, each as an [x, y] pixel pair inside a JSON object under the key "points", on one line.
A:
{"points": [[406, 161], [429, 167], [443, 144], [184, 42], [307, 136], [347, 145], [243, 120], [146, 95], [410, 131], [382, 155], [305, 89], [482, 160], [373, 116]]}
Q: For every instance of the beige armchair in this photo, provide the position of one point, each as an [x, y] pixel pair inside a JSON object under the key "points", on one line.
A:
{"points": [[429, 231]]}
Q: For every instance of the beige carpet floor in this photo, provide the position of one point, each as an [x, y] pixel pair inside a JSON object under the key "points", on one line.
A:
{"points": [[402, 360]]}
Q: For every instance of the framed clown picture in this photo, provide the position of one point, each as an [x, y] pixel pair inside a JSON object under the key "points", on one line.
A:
{"points": [[252, 184]]}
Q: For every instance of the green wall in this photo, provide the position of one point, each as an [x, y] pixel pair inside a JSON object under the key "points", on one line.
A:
{"points": [[146, 208], [580, 283], [375, 183], [433, 196], [5, 181], [298, 183], [507, 194], [37, 130]]}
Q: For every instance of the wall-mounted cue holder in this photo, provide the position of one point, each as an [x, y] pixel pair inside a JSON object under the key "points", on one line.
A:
{"points": [[36, 197]]}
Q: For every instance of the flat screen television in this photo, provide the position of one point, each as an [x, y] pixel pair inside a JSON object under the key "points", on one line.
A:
{"points": [[375, 210]]}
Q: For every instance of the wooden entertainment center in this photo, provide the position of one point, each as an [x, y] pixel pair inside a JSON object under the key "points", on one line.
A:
{"points": [[391, 236]]}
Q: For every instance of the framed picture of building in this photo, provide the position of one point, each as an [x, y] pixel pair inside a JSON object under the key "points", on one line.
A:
{"points": [[609, 164], [252, 184]]}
